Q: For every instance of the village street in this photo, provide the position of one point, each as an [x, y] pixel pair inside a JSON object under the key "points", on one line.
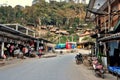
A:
{"points": [[40, 40], [62, 67]]}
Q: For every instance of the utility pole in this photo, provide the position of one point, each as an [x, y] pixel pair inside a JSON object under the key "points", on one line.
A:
{"points": [[59, 38], [72, 38]]}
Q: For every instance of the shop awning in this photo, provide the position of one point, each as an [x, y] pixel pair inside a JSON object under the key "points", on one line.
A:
{"points": [[86, 42], [111, 37]]}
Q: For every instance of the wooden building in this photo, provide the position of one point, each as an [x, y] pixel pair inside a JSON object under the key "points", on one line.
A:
{"points": [[106, 16], [85, 41]]}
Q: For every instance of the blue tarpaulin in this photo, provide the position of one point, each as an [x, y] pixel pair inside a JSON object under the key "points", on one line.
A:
{"points": [[60, 46]]}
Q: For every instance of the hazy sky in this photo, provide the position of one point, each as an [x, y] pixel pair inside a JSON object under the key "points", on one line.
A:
{"points": [[19, 2]]}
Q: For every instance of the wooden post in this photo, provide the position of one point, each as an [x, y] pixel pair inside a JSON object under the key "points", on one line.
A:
{"points": [[16, 27], [105, 49], [97, 21], [105, 58], [38, 42], [104, 17], [109, 13], [59, 37], [2, 48], [26, 31]]}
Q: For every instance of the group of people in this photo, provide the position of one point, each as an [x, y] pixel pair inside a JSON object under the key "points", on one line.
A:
{"points": [[19, 51]]}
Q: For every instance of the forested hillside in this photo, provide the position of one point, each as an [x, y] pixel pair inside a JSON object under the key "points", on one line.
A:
{"points": [[59, 14]]}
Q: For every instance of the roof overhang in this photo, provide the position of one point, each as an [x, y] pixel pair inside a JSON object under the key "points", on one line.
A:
{"points": [[111, 37], [90, 5], [44, 40], [97, 12], [93, 8], [86, 42]]}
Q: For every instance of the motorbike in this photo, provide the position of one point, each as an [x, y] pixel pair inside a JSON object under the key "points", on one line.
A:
{"points": [[79, 58], [98, 68]]}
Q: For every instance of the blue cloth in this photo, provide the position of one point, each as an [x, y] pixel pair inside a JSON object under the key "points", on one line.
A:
{"points": [[112, 46], [114, 69]]}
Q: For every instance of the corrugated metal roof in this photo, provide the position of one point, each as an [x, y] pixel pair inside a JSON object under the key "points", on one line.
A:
{"points": [[93, 5]]}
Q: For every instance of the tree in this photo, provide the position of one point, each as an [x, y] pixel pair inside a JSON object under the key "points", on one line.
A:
{"points": [[60, 14]]}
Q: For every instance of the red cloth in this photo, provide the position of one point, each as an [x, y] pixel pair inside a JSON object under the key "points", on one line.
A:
{"points": [[68, 46], [99, 66], [95, 62]]}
